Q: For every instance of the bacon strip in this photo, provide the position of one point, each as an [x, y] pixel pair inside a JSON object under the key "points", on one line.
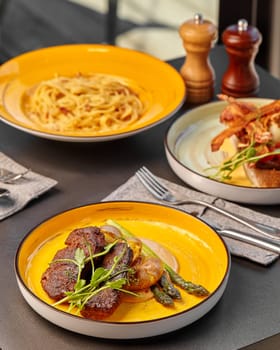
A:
{"points": [[238, 115]]}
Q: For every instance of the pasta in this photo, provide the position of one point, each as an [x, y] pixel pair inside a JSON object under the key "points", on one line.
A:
{"points": [[84, 103]]}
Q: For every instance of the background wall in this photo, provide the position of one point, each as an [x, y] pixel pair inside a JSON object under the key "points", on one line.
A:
{"points": [[158, 22]]}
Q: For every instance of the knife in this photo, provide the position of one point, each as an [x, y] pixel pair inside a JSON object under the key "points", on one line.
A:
{"points": [[245, 237]]}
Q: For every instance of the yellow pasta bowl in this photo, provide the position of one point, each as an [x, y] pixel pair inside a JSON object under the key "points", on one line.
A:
{"points": [[159, 88], [201, 255]]}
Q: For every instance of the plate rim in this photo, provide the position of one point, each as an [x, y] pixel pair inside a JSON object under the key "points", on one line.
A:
{"points": [[89, 138], [204, 302]]}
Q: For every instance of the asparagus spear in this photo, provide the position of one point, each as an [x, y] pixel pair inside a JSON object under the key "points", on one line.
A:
{"points": [[161, 296], [168, 287], [188, 286]]}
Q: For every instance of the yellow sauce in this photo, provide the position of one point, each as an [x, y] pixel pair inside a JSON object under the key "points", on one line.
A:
{"points": [[192, 254], [239, 177]]}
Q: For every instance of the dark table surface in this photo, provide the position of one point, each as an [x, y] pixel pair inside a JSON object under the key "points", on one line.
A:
{"points": [[247, 313], [249, 310]]}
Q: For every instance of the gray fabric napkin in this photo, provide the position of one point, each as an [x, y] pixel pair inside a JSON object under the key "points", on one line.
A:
{"points": [[22, 191], [133, 189]]}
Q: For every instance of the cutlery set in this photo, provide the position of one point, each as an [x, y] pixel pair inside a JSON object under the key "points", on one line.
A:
{"points": [[4, 192], [271, 235], [10, 177]]}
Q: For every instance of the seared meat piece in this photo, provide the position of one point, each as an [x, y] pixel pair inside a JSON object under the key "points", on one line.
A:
{"points": [[65, 253], [104, 303], [82, 237], [61, 276], [121, 248]]}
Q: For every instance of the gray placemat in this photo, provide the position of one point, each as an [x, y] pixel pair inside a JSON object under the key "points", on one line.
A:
{"points": [[31, 186], [133, 189]]}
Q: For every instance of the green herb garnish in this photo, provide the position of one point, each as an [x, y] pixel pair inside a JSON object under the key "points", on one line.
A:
{"points": [[101, 278], [246, 155]]}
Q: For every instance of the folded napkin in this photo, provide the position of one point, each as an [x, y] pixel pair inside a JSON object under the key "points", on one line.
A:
{"points": [[22, 191], [133, 190]]}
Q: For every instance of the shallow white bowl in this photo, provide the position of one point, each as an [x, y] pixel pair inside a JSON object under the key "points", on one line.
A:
{"points": [[187, 144]]}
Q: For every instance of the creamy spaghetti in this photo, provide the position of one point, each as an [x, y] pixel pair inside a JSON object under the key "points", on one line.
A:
{"points": [[84, 103]]}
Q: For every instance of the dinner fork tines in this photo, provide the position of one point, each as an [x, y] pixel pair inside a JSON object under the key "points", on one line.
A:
{"points": [[160, 191]]}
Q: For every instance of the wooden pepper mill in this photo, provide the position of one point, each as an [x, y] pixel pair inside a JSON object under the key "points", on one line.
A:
{"points": [[198, 36], [242, 43]]}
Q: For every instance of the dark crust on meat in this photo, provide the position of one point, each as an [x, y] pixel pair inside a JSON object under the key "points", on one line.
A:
{"points": [[61, 276], [121, 248], [65, 253], [102, 305], [82, 237]]}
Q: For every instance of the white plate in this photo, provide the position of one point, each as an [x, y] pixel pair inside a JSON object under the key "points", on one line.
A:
{"points": [[187, 147]]}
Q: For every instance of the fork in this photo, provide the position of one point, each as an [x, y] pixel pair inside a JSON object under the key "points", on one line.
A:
{"points": [[9, 177], [156, 188], [4, 192]]}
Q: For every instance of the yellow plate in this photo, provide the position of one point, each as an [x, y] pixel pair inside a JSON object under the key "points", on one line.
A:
{"points": [[202, 256], [159, 85]]}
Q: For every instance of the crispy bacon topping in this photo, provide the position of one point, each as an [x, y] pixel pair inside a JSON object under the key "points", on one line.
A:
{"points": [[248, 123]]}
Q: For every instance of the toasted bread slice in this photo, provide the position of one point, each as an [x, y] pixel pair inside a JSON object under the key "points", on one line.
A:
{"points": [[262, 177]]}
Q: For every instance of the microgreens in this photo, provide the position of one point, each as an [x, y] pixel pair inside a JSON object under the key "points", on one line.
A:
{"points": [[246, 155], [101, 278]]}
